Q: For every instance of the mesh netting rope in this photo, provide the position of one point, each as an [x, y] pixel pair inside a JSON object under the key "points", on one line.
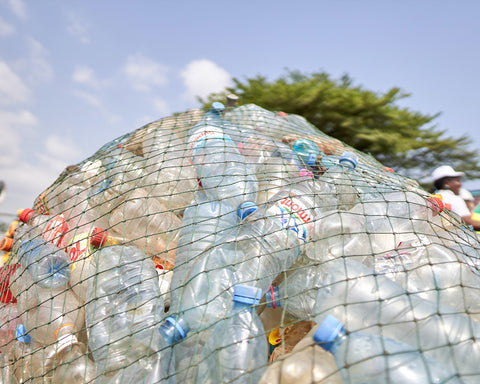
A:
{"points": [[237, 245]]}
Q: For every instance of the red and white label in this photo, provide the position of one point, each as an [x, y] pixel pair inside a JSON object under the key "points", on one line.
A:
{"points": [[56, 231]]}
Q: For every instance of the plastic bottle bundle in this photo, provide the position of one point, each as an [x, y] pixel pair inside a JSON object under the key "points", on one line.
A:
{"points": [[128, 267]]}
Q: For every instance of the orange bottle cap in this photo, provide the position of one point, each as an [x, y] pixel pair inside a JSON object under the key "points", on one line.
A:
{"points": [[6, 244]]}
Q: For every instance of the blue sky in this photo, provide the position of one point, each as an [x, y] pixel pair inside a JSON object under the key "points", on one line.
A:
{"points": [[77, 74]]}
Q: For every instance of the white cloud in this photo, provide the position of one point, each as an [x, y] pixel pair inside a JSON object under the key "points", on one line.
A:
{"points": [[59, 152], [78, 28], [13, 124], [5, 28], [90, 99], [86, 76], [161, 107], [202, 77], [18, 8], [26, 178], [144, 73], [12, 88], [96, 102], [40, 69]]}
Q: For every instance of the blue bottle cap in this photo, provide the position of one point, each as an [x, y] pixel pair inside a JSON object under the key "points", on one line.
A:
{"points": [[349, 157], [272, 297], [247, 294], [174, 329], [218, 107], [21, 334], [246, 209], [327, 332], [307, 150]]}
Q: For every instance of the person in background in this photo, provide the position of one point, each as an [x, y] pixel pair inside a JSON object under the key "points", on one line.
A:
{"points": [[447, 183], [468, 197]]}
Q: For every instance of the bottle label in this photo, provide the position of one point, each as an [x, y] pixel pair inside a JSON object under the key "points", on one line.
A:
{"points": [[40, 205], [56, 231], [296, 217], [79, 247]]}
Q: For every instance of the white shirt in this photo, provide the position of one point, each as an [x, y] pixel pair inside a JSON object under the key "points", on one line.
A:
{"points": [[458, 204]]}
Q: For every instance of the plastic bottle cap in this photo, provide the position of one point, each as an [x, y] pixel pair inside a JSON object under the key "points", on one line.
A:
{"points": [[436, 204], [388, 169], [246, 209], [349, 157], [218, 107], [182, 332], [6, 244], [282, 114], [25, 214], [272, 297], [21, 334], [11, 229], [327, 332], [98, 237], [247, 294]]}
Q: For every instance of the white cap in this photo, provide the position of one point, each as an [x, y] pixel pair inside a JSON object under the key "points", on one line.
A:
{"points": [[465, 194], [445, 171]]}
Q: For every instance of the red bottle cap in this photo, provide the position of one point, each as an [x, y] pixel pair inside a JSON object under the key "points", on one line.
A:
{"points": [[436, 204], [98, 237], [25, 215], [283, 114], [5, 273]]}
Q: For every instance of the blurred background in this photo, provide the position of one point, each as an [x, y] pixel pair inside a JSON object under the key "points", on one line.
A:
{"points": [[75, 75]]}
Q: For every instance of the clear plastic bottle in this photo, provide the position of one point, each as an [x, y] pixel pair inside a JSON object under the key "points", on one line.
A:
{"points": [[306, 364], [121, 172], [366, 301], [46, 311], [147, 223], [307, 150], [64, 362], [204, 222], [277, 171], [168, 174], [237, 350], [337, 184], [47, 265], [123, 306], [223, 172], [82, 267], [433, 272], [52, 228], [373, 359], [375, 226], [297, 292]]}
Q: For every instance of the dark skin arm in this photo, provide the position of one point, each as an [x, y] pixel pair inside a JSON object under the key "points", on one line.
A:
{"points": [[469, 221]]}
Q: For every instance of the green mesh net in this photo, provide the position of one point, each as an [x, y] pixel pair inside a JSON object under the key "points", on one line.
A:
{"points": [[237, 245]]}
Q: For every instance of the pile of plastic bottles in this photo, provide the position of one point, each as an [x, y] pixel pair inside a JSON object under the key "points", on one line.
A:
{"points": [[237, 245]]}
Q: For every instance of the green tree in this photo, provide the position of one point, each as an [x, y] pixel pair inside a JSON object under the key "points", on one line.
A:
{"points": [[405, 140]]}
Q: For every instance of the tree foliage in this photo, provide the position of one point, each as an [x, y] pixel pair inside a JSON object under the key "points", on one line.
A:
{"points": [[374, 123]]}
